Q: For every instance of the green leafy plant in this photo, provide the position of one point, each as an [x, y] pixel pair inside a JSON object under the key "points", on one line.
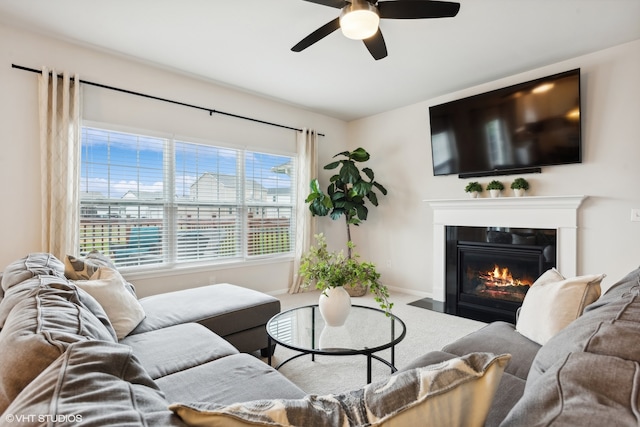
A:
{"points": [[520, 184], [495, 185], [348, 191], [473, 186], [329, 269]]}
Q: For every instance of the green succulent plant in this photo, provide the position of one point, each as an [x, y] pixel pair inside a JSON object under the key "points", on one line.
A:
{"points": [[520, 183], [473, 186], [495, 185]]}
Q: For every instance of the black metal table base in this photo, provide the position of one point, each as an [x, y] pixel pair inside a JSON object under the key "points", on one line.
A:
{"points": [[370, 356]]}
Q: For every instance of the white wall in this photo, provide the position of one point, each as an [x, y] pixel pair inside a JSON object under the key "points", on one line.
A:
{"points": [[19, 147], [398, 237]]}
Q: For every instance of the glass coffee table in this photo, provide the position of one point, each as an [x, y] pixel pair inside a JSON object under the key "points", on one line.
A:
{"points": [[367, 331]]}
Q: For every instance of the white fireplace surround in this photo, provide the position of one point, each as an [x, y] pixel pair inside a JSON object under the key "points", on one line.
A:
{"points": [[553, 212]]}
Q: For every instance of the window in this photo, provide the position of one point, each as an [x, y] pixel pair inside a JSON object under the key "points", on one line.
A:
{"points": [[148, 200]]}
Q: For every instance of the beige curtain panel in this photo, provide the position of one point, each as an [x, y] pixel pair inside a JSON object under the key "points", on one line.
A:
{"points": [[59, 112], [305, 223]]}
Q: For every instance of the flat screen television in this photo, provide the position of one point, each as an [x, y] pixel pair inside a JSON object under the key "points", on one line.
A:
{"points": [[516, 129]]}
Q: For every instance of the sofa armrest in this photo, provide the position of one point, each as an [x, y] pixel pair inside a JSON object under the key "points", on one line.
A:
{"points": [[498, 338]]}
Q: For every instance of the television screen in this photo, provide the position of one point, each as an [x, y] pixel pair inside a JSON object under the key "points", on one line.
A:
{"points": [[527, 125]]}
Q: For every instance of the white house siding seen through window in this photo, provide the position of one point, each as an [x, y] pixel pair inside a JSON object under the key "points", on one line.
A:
{"points": [[147, 200]]}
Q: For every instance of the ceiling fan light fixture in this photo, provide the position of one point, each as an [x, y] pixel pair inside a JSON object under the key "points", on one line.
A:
{"points": [[359, 20]]}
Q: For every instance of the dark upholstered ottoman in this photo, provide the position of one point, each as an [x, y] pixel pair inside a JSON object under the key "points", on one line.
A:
{"points": [[237, 314]]}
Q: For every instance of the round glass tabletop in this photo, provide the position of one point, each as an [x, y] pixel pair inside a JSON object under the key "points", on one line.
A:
{"points": [[366, 331]]}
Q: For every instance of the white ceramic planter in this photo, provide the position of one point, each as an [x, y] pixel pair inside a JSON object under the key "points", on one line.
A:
{"points": [[335, 304], [474, 194], [519, 192], [494, 193]]}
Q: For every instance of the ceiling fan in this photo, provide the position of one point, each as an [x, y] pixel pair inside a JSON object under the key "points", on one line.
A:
{"points": [[360, 20]]}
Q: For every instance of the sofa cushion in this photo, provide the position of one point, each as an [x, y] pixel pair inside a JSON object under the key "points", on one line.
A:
{"points": [[177, 348], [581, 389], [41, 326], [457, 392], [108, 287], [510, 390], [93, 383], [223, 308], [609, 329], [236, 378], [553, 302]]}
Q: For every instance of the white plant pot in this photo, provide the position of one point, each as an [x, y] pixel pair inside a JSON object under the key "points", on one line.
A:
{"points": [[494, 193], [474, 194], [519, 192], [334, 304]]}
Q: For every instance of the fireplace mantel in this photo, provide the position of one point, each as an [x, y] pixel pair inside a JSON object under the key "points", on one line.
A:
{"points": [[557, 212]]}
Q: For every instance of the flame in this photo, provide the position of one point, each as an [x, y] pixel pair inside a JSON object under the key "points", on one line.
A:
{"points": [[501, 276]]}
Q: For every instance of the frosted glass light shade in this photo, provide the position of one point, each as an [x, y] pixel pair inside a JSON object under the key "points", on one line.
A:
{"points": [[359, 20]]}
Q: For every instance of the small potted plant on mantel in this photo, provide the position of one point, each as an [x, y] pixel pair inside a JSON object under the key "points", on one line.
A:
{"points": [[519, 186], [474, 188], [332, 272], [495, 187]]}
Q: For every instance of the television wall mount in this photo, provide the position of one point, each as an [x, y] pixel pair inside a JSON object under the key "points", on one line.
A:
{"points": [[497, 172]]}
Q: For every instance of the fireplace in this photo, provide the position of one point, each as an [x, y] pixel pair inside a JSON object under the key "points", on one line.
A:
{"points": [[490, 269], [498, 215]]}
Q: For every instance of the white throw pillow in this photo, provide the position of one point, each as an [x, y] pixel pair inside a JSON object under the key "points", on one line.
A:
{"points": [[553, 302], [108, 287], [457, 392]]}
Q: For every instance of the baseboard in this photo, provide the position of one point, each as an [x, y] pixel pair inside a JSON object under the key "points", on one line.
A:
{"points": [[416, 293]]}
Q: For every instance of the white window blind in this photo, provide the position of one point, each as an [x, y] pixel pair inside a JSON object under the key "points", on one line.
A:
{"points": [[147, 200]]}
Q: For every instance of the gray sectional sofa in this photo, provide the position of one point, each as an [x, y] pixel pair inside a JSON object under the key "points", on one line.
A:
{"points": [[586, 375], [61, 361]]}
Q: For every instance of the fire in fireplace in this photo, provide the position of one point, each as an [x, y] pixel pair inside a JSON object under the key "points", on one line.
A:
{"points": [[499, 283]]}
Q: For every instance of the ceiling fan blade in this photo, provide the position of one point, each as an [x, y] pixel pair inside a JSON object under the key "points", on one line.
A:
{"points": [[376, 45], [317, 35], [338, 4], [412, 9]]}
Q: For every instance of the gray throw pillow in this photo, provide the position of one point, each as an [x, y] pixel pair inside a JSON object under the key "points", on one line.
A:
{"points": [[40, 327], [32, 265], [581, 389], [93, 383], [611, 329]]}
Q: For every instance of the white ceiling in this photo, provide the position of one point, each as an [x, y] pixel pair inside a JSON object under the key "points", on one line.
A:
{"points": [[246, 44]]}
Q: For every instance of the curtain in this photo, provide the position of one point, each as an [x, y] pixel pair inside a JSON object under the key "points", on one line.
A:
{"points": [[305, 224], [59, 113]]}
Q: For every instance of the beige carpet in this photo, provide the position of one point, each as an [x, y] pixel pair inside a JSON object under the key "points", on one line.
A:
{"points": [[426, 331]]}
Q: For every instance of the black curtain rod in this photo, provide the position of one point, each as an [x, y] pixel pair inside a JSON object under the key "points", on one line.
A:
{"points": [[211, 111]]}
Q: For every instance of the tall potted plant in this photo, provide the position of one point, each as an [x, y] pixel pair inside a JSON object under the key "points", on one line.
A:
{"points": [[347, 196]]}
